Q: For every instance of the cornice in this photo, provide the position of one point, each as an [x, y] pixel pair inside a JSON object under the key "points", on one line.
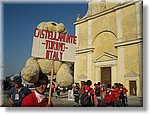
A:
{"points": [[117, 7], [128, 42], [86, 50]]}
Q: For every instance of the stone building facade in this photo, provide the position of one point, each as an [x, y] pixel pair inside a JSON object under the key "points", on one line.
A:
{"points": [[109, 45]]}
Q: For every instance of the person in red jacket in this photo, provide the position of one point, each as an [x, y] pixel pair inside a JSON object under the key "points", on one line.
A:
{"points": [[108, 96], [38, 98], [90, 91], [116, 95], [83, 87], [89, 83]]}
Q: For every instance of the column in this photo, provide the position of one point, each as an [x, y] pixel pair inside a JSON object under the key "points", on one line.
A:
{"points": [[97, 74], [89, 54], [114, 74], [89, 65], [89, 33], [121, 48], [139, 16], [77, 55], [119, 25], [139, 19], [140, 90], [121, 64]]}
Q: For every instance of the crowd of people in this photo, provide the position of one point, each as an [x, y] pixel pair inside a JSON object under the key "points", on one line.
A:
{"points": [[85, 96], [99, 95]]}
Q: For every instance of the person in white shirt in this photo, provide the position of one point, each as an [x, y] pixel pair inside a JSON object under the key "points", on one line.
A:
{"points": [[38, 98]]}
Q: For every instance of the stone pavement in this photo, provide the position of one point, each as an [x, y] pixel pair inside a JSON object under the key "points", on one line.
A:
{"points": [[62, 101], [133, 101]]}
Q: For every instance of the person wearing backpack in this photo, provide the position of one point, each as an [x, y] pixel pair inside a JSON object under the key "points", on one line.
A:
{"points": [[87, 97], [98, 93], [76, 93], [123, 96]]}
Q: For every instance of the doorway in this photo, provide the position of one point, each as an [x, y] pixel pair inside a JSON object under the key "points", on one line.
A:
{"points": [[132, 88], [106, 75]]}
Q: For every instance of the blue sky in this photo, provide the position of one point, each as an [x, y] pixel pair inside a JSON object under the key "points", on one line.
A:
{"points": [[19, 21]]}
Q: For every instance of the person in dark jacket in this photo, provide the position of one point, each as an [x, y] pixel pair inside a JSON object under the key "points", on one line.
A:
{"points": [[76, 93], [18, 92]]}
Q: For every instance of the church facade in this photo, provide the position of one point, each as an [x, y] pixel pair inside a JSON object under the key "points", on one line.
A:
{"points": [[109, 45]]}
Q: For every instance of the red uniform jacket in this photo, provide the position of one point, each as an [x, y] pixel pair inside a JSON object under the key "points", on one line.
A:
{"points": [[91, 91], [31, 101], [108, 97], [116, 94]]}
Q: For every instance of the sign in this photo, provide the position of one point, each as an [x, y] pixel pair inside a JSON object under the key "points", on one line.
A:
{"points": [[54, 45]]}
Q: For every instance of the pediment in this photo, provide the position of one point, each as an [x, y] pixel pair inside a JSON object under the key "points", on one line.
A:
{"points": [[132, 74], [106, 57]]}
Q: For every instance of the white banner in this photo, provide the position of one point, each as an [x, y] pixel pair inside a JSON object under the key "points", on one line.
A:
{"points": [[54, 45]]}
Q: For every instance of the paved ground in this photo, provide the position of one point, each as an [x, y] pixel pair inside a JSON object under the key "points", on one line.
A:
{"points": [[135, 101], [62, 101]]}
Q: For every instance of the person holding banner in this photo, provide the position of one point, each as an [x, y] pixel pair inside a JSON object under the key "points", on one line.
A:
{"points": [[38, 98]]}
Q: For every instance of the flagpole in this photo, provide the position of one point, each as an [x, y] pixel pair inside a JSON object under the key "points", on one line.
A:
{"points": [[51, 79]]}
